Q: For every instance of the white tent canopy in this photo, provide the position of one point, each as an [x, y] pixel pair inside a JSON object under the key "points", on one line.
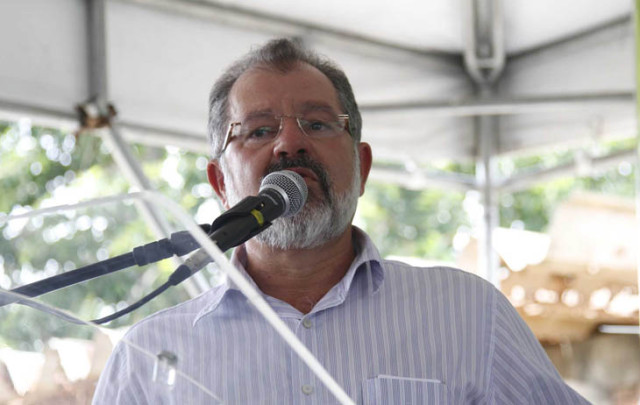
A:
{"points": [[568, 69], [558, 71]]}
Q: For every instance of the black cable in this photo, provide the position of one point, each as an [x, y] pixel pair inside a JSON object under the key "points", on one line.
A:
{"points": [[134, 306], [179, 275]]}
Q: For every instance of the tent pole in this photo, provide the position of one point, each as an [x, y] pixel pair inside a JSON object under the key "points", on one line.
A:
{"points": [[486, 172], [484, 58], [636, 19], [98, 85]]}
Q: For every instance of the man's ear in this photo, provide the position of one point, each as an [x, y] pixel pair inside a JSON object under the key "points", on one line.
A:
{"points": [[366, 158], [216, 179]]}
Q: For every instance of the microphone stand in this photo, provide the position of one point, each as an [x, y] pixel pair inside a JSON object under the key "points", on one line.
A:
{"points": [[238, 224], [179, 243]]}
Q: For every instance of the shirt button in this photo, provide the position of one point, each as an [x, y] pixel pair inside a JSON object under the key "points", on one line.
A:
{"points": [[306, 322], [307, 389]]}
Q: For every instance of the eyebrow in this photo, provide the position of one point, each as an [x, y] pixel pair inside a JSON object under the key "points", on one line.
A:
{"points": [[259, 113], [317, 105], [304, 108]]}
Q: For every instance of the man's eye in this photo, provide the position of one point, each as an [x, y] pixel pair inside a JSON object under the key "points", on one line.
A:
{"points": [[260, 133], [318, 125]]}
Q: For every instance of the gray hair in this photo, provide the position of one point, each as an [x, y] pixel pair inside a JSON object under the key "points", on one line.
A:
{"points": [[281, 55]]}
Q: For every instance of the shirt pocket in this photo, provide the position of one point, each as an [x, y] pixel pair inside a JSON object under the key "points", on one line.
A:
{"points": [[390, 390]]}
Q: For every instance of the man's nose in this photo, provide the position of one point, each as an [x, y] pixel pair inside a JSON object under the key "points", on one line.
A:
{"points": [[291, 141]]}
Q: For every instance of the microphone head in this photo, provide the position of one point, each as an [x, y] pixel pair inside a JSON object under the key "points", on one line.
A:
{"points": [[291, 187]]}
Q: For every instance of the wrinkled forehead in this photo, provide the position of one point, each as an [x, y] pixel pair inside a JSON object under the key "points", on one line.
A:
{"points": [[296, 91]]}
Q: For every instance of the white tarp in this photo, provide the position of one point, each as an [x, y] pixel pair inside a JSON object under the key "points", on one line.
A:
{"points": [[163, 56]]}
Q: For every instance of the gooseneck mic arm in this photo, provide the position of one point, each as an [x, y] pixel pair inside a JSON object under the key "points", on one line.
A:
{"points": [[281, 194], [179, 244]]}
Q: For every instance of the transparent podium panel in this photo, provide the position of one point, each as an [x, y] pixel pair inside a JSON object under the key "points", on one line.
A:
{"points": [[50, 350], [212, 338], [49, 356]]}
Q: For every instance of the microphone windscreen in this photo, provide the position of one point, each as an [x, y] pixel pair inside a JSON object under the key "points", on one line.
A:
{"points": [[291, 186]]}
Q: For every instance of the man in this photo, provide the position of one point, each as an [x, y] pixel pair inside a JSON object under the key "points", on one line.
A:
{"points": [[387, 332]]}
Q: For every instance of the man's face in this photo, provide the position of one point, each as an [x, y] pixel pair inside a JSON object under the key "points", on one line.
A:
{"points": [[294, 93]]}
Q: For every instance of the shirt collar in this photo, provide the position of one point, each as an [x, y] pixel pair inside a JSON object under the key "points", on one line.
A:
{"points": [[367, 259], [218, 293]]}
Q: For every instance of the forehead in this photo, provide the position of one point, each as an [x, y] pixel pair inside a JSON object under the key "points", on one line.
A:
{"points": [[265, 89]]}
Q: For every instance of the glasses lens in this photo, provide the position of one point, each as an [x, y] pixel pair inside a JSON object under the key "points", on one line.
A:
{"points": [[258, 131], [321, 124]]}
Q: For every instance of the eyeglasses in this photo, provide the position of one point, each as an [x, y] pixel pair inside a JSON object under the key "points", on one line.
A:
{"points": [[258, 131]]}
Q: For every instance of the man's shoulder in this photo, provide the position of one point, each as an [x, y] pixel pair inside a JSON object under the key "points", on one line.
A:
{"points": [[397, 267], [181, 315], [437, 279]]}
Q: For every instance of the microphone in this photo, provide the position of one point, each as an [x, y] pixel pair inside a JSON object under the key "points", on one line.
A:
{"points": [[288, 186], [282, 194]]}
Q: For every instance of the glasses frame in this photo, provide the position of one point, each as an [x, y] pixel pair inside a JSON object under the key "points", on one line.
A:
{"points": [[228, 136]]}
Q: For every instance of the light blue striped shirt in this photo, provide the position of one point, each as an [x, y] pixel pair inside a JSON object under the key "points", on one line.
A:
{"points": [[388, 333]]}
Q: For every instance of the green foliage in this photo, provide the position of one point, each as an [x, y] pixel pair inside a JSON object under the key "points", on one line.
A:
{"points": [[412, 223], [40, 165], [533, 208]]}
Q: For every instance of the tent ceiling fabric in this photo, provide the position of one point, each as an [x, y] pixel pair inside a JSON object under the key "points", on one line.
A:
{"points": [[405, 60], [437, 25]]}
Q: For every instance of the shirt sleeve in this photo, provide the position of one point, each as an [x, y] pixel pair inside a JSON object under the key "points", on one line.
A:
{"points": [[119, 382], [521, 372]]}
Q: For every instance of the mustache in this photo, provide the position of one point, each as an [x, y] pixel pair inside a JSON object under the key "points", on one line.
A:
{"points": [[306, 162]]}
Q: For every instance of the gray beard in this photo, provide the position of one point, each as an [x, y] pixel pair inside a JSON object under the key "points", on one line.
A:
{"points": [[319, 222], [322, 218]]}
